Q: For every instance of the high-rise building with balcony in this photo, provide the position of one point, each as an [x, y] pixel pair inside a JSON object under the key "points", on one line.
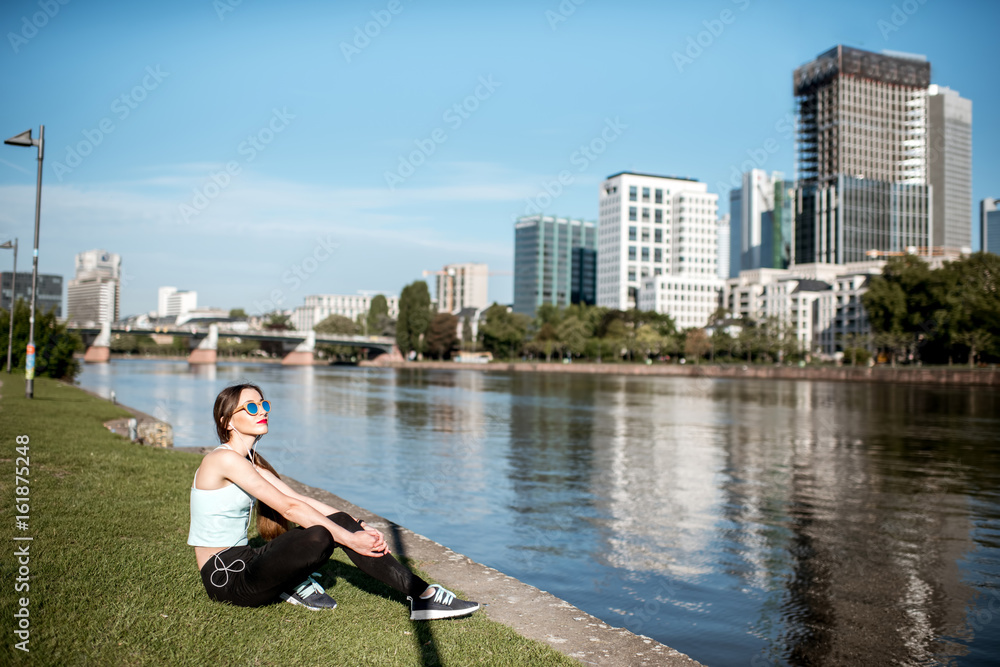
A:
{"points": [[862, 155], [462, 286]]}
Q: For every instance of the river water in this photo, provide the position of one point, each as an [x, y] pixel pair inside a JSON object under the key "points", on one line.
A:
{"points": [[742, 522]]}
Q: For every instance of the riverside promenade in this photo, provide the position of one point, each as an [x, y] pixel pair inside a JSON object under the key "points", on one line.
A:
{"points": [[988, 377], [530, 612]]}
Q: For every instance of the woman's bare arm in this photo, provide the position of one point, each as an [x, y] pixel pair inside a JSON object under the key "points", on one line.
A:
{"points": [[238, 470]]}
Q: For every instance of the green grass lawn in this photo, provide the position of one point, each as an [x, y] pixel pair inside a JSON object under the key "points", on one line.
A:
{"points": [[113, 581]]}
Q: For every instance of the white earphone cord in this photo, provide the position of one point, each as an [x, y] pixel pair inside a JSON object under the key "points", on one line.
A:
{"points": [[220, 565]]}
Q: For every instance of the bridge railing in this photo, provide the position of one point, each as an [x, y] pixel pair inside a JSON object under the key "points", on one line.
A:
{"points": [[228, 332]]}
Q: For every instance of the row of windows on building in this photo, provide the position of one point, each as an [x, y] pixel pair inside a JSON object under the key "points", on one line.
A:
{"points": [[658, 255], [633, 214], [633, 194], [706, 237]]}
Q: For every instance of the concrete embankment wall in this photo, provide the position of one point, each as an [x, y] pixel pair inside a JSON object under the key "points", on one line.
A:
{"points": [[942, 376]]}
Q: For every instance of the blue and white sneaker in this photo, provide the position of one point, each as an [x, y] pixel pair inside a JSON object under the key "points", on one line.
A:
{"points": [[443, 604], [310, 595]]}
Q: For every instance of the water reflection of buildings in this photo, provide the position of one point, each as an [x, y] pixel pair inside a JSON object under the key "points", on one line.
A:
{"points": [[811, 500], [851, 539], [658, 469], [443, 424]]}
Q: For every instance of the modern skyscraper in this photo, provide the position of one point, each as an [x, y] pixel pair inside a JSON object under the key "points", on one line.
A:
{"points": [[543, 259], [782, 224], [462, 286], [583, 281], [862, 155], [760, 223], [722, 248], [950, 152], [653, 226], [989, 221], [94, 295], [50, 291]]}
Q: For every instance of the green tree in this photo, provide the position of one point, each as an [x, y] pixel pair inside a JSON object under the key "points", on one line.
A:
{"points": [[276, 321], [696, 344], [545, 336], [338, 324], [649, 341], [54, 345], [976, 340], [971, 295], [442, 336], [467, 341], [378, 309], [895, 343], [612, 334], [573, 334], [237, 314], [747, 339], [856, 348], [503, 332], [414, 317]]}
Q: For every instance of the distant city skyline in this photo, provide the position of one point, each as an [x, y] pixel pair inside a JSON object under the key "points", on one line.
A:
{"points": [[273, 153]]}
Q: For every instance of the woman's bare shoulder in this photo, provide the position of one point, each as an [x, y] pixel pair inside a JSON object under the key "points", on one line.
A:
{"points": [[215, 468]]}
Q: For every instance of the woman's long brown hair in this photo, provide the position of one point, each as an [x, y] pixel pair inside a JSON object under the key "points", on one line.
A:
{"points": [[270, 523]]}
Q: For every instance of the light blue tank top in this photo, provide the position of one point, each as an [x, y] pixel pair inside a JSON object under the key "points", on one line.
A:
{"points": [[219, 517]]}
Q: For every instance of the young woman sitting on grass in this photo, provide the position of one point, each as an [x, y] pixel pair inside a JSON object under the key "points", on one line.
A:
{"points": [[227, 484]]}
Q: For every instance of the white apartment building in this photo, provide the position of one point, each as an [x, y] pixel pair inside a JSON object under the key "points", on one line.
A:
{"points": [[462, 286], [690, 300], [320, 306], [94, 295], [652, 226], [173, 302], [819, 303]]}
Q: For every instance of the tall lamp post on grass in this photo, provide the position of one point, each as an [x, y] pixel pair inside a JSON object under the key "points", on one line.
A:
{"points": [[13, 296], [24, 139]]}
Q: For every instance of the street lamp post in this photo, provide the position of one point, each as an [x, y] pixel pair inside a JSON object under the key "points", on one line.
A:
{"points": [[24, 139], [13, 296]]}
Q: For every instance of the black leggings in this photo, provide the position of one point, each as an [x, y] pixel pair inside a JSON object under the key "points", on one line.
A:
{"points": [[252, 577]]}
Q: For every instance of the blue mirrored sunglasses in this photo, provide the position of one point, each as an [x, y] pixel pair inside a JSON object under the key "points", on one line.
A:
{"points": [[254, 407]]}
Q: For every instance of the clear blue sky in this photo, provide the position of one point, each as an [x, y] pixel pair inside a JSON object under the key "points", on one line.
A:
{"points": [[312, 196]]}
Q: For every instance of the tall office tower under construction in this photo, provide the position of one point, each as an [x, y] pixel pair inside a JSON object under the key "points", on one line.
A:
{"points": [[862, 155]]}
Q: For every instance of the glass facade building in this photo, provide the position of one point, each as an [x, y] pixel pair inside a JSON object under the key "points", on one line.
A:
{"points": [[544, 260], [50, 291], [761, 213], [583, 282], [989, 221], [862, 156]]}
